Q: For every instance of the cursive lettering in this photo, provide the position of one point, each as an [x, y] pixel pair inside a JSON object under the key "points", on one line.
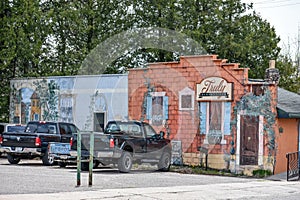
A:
{"points": [[210, 86]]}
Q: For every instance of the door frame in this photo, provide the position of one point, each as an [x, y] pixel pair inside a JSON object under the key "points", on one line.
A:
{"points": [[105, 118], [260, 140]]}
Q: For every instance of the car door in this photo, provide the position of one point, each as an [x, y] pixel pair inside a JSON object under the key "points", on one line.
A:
{"points": [[154, 143], [138, 139]]}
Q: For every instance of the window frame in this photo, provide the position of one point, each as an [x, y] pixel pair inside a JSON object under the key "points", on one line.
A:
{"points": [[187, 92]]}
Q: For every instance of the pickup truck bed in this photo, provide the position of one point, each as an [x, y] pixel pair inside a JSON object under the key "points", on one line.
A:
{"points": [[33, 142]]}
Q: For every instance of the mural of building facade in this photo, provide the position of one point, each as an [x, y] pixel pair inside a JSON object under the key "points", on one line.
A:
{"points": [[87, 101], [208, 106]]}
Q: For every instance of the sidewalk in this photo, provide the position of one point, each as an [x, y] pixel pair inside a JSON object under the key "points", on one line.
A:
{"points": [[256, 189], [278, 177]]}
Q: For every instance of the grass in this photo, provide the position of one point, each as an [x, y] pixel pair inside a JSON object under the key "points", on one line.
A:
{"points": [[261, 173], [185, 169]]}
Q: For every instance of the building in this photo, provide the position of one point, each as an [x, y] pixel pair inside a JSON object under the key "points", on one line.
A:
{"points": [[288, 138], [87, 101], [205, 105], [209, 106]]}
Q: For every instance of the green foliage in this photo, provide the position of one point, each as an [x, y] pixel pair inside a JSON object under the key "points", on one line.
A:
{"points": [[261, 173], [48, 94], [200, 170], [43, 38], [289, 73]]}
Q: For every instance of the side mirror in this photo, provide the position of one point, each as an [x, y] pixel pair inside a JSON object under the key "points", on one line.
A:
{"points": [[162, 134]]}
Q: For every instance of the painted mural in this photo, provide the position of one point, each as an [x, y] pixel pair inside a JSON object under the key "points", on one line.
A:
{"points": [[87, 101]]}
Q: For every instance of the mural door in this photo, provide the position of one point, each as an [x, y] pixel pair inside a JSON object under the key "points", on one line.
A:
{"points": [[249, 140]]}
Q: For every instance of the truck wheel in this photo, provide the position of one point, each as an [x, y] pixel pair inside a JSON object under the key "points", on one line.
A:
{"points": [[13, 160], [47, 159], [85, 166], [125, 162], [164, 162], [62, 164]]}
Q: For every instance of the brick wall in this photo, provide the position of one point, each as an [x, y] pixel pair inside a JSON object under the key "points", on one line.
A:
{"points": [[172, 77]]}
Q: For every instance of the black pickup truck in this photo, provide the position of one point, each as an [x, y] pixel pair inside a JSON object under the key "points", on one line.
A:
{"points": [[124, 143], [33, 142]]}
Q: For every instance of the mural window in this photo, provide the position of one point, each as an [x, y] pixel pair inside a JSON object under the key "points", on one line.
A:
{"points": [[36, 117], [157, 108], [186, 99], [258, 90], [215, 121], [149, 130], [66, 108]]}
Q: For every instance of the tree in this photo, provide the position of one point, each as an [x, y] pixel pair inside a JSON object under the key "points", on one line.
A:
{"points": [[289, 73], [42, 38], [22, 36], [226, 28]]}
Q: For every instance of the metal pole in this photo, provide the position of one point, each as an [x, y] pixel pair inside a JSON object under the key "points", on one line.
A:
{"points": [[287, 167], [78, 158], [91, 159], [206, 164]]}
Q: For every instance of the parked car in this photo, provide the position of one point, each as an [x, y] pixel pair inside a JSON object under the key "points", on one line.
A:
{"points": [[7, 127], [33, 142], [122, 143]]}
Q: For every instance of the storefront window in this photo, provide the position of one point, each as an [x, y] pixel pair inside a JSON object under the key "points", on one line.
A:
{"points": [[215, 120], [215, 116]]}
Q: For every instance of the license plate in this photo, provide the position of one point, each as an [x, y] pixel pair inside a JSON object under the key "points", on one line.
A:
{"points": [[19, 149], [73, 153], [104, 154], [64, 157], [60, 148]]}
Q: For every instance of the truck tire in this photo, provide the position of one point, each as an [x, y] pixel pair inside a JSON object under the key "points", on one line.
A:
{"points": [[125, 162], [62, 164], [85, 166], [164, 162], [13, 160], [47, 159]]}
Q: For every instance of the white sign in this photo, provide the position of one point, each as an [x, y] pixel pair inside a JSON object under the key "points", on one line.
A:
{"points": [[214, 89]]}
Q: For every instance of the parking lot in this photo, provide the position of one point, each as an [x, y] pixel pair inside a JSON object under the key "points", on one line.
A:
{"points": [[30, 179]]}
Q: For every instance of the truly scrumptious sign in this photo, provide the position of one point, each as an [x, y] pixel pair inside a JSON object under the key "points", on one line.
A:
{"points": [[214, 89]]}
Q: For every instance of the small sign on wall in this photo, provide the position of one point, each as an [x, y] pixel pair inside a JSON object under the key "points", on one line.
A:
{"points": [[214, 89], [176, 152]]}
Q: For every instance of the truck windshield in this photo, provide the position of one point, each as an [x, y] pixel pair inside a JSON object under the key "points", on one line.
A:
{"points": [[41, 128], [15, 128]]}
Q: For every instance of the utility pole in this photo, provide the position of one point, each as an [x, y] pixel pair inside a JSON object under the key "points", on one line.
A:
{"points": [[298, 50]]}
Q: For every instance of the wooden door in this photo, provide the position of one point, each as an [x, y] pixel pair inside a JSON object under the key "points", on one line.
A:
{"points": [[249, 140]]}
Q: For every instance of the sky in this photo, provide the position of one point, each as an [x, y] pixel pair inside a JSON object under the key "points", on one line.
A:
{"points": [[284, 15]]}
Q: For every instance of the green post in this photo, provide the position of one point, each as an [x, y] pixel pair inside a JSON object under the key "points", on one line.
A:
{"points": [[78, 158], [91, 159]]}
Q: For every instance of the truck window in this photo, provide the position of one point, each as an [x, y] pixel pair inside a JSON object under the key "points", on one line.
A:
{"points": [[112, 127], [52, 129], [149, 130], [135, 130], [41, 128], [15, 128], [72, 128], [63, 128]]}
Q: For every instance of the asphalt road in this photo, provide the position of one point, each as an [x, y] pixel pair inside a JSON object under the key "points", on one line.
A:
{"points": [[32, 180]]}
